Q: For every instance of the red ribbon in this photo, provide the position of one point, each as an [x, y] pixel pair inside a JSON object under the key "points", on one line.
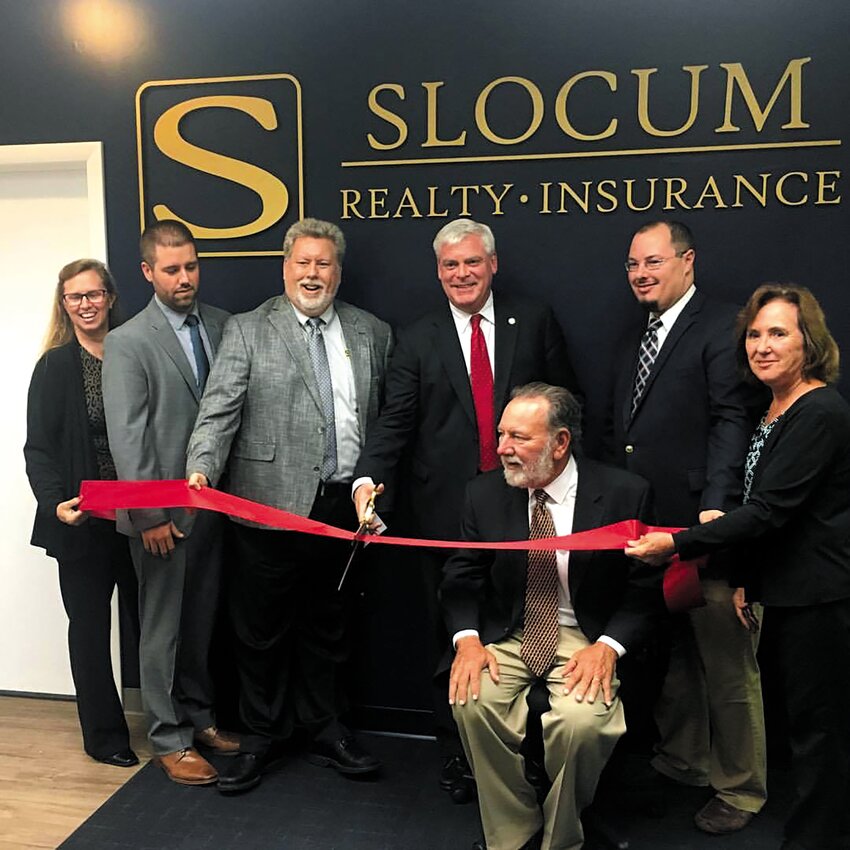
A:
{"points": [[103, 498]]}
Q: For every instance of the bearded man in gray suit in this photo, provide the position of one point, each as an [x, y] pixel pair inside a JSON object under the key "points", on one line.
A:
{"points": [[154, 370], [295, 385]]}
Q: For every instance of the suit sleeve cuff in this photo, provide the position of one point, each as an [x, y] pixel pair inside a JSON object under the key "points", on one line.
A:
{"points": [[615, 645]]}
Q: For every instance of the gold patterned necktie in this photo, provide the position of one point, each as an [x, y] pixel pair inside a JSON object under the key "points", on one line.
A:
{"points": [[540, 632]]}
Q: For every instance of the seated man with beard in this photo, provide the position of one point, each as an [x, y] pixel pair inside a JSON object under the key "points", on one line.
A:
{"points": [[552, 616]]}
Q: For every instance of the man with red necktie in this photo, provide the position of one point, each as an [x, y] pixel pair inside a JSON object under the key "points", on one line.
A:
{"points": [[449, 378]]}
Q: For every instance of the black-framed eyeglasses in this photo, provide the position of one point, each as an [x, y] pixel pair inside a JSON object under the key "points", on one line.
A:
{"points": [[652, 264], [93, 296]]}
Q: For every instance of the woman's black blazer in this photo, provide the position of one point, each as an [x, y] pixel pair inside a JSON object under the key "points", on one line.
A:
{"points": [[59, 450]]}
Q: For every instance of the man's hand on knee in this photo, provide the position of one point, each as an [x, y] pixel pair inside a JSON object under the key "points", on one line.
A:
{"points": [[470, 659], [589, 670]]}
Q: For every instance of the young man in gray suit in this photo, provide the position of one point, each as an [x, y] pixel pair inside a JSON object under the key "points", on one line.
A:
{"points": [[154, 370], [294, 388]]}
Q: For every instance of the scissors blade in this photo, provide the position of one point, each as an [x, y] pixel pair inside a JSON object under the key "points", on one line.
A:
{"points": [[356, 544]]}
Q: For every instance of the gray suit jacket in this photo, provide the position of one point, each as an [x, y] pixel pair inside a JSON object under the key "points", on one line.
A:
{"points": [[151, 401], [262, 410]]}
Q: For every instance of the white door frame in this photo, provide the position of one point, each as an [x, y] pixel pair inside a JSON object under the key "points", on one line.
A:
{"points": [[73, 156], [63, 155]]}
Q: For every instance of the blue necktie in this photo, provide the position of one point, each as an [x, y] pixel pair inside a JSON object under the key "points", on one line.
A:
{"points": [[201, 360]]}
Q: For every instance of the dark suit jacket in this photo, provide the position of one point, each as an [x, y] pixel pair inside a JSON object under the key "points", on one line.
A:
{"points": [[611, 594], [690, 432], [429, 411], [794, 533], [59, 450]]}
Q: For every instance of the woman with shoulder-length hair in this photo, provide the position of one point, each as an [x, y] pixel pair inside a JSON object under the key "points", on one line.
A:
{"points": [[792, 539], [66, 444]]}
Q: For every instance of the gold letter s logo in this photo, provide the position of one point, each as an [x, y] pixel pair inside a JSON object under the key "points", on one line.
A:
{"points": [[273, 193]]}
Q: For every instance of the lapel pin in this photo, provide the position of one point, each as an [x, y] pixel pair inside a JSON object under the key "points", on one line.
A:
{"points": [[511, 320]]}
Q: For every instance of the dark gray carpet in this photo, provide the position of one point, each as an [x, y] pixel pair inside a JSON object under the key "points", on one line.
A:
{"points": [[301, 807]]}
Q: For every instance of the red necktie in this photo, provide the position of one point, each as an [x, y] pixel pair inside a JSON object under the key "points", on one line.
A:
{"points": [[481, 378]]}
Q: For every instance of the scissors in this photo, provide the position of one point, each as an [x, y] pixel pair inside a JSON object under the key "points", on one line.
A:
{"points": [[362, 531]]}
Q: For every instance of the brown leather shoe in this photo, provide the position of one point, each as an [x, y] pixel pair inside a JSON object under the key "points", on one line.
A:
{"points": [[718, 817], [187, 767], [223, 743]]}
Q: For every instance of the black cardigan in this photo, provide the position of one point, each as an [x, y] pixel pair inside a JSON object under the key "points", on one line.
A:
{"points": [[59, 450], [794, 533]]}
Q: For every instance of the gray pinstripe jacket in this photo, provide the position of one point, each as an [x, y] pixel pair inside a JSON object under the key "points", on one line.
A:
{"points": [[261, 414]]}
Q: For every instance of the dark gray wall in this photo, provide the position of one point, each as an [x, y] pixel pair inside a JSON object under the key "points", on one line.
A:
{"points": [[58, 85]]}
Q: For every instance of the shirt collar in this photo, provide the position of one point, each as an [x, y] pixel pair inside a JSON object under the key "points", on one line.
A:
{"points": [[669, 316], [462, 319], [175, 319], [563, 486], [327, 317]]}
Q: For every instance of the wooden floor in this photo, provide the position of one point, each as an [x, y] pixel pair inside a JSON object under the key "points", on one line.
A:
{"points": [[48, 785]]}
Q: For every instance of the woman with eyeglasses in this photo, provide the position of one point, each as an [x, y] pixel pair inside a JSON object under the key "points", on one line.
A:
{"points": [[66, 444], [791, 538]]}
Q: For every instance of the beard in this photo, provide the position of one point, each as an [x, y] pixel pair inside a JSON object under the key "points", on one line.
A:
{"points": [[313, 303], [533, 475]]}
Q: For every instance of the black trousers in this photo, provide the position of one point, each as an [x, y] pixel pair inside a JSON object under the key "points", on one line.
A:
{"points": [[87, 584], [430, 564], [291, 625], [813, 650]]}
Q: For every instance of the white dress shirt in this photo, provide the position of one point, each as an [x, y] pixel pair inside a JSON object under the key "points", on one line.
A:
{"points": [[463, 325], [669, 316], [344, 390]]}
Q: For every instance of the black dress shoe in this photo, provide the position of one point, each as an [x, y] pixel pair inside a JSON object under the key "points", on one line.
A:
{"points": [[123, 758], [345, 755], [534, 842], [454, 768], [456, 779], [244, 773]]}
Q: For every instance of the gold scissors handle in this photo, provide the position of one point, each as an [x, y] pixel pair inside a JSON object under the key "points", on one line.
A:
{"points": [[369, 513], [362, 530]]}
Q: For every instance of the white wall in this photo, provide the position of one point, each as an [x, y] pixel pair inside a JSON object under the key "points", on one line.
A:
{"points": [[50, 213]]}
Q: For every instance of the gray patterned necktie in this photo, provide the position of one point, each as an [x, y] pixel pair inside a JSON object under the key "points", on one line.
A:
{"points": [[202, 362], [540, 632], [322, 370], [646, 357]]}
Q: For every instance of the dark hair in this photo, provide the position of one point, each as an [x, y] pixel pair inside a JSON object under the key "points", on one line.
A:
{"points": [[820, 351], [61, 329], [169, 233], [564, 407], [680, 234]]}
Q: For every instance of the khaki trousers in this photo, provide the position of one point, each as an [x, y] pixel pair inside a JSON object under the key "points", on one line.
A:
{"points": [[578, 739], [710, 712]]}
